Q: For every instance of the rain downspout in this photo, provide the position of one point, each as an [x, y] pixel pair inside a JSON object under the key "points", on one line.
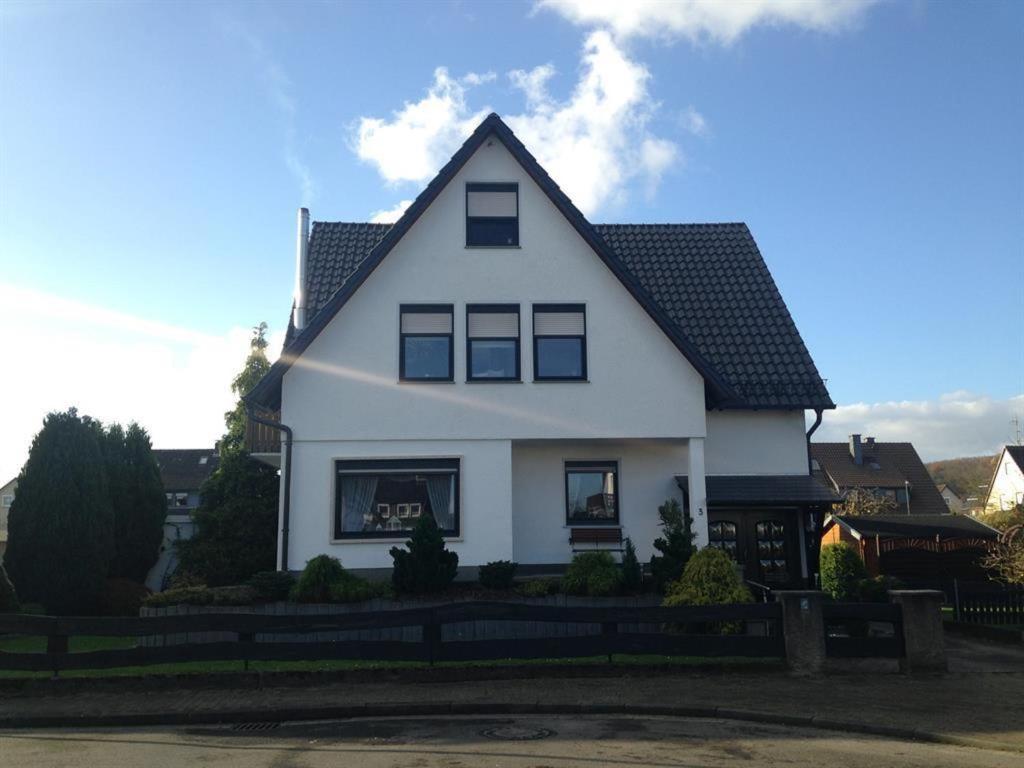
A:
{"points": [[286, 479], [818, 412]]}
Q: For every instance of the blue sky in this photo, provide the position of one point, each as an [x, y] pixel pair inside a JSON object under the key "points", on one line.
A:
{"points": [[152, 157]]}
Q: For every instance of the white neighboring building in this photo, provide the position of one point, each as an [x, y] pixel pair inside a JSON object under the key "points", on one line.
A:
{"points": [[1007, 487], [538, 384], [6, 500]]}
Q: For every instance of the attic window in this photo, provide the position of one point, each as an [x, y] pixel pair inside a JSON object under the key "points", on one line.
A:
{"points": [[492, 215]]}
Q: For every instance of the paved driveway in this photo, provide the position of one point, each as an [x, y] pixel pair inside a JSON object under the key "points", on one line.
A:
{"points": [[460, 742]]}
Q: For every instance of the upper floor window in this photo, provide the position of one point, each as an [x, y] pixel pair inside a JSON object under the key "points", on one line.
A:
{"points": [[559, 342], [492, 342], [425, 342], [492, 214]]}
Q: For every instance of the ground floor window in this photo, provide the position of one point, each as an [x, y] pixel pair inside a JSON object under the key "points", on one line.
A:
{"points": [[380, 498], [591, 492]]}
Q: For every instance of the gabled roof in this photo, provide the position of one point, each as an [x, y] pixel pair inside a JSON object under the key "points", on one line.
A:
{"points": [[185, 469], [916, 526], [896, 463], [706, 287]]}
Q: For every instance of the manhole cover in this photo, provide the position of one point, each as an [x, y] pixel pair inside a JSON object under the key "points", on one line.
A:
{"points": [[254, 726], [516, 733]]}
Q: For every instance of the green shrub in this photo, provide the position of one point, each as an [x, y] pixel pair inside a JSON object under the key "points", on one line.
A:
{"points": [[425, 565], [710, 578], [233, 595], [122, 597], [271, 586], [317, 578], [539, 587], [675, 544], [632, 574], [498, 574], [876, 590], [353, 589], [592, 573], [841, 571], [8, 597]]}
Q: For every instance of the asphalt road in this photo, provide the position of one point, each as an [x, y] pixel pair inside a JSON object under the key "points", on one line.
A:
{"points": [[462, 742]]}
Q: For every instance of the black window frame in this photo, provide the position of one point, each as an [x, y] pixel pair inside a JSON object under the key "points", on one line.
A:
{"points": [[495, 309], [542, 308], [413, 309], [595, 465], [490, 186], [394, 467]]}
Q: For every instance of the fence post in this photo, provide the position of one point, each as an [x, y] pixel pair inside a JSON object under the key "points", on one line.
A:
{"points": [[956, 599], [803, 628], [432, 637], [609, 628], [56, 644], [924, 648]]}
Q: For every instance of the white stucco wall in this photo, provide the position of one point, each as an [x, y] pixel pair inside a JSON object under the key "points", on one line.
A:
{"points": [[647, 469], [1007, 485], [345, 385], [756, 443], [485, 500]]}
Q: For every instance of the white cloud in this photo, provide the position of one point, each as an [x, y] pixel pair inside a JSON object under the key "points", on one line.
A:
{"points": [[594, 144], [694, 122], [956, 424], [391, 215], [423, 134], [721, 21], [175, 381]]}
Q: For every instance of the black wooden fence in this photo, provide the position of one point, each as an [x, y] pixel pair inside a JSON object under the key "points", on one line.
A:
{"points": [[753, 630], [988, 603]]}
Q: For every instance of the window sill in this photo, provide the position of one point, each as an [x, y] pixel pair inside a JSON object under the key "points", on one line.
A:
{"points": [[426, 381], [493, 247], [591, 524], [561, 381], [494, 381], [392, 540]]}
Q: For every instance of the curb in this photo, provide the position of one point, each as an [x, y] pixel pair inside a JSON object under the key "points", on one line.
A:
{"points": [[439, 708]]}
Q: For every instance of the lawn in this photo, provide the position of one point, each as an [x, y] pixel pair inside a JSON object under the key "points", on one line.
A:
{"points": [[37, 644]]}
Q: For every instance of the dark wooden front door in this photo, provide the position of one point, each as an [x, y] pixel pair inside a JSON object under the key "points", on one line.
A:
{"points": [[766, 543]]}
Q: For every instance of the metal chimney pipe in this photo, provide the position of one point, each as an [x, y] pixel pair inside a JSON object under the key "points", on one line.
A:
{"points": [[301, 259]]}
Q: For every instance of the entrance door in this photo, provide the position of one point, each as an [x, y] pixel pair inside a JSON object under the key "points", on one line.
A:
{"points": [[765, 543]]}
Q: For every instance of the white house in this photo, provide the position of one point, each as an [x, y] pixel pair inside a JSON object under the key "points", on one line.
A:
{"points": [[6, 501], [1007, 487], [537, 383]]}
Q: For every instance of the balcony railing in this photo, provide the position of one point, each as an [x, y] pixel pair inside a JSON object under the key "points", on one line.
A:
{"points": [[259, 438]]}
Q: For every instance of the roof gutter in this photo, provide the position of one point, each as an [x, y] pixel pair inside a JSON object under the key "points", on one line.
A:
{"points": [[286, 478], [818, 413]]}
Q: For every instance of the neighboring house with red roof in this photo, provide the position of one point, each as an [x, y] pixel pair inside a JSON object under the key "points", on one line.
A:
{"points": [[1006, 489], [887, 469], [536, 383], [182, 472]]}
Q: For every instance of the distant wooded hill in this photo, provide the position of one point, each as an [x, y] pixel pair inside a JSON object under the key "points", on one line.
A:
{"points": [[968, 477]]}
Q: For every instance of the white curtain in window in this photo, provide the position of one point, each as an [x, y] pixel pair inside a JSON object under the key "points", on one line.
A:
{"points": [[576, 497], [357, 494], [439, 489]]}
